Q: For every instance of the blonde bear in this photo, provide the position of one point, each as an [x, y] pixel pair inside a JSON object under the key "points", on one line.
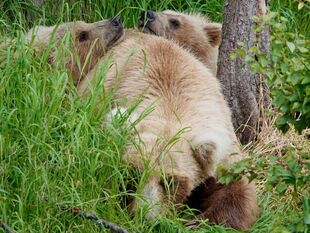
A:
{"points": [[91, 41], [187, 134], [194, 32], [187, 105]]}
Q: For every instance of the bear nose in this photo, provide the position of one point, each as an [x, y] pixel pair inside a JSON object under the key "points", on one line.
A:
{"points": [[150, 15], [116, 22]]}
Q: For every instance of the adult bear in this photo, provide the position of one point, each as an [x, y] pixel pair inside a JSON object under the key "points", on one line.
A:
{"points": [[188, 133], [193, 32], [188, 107]]}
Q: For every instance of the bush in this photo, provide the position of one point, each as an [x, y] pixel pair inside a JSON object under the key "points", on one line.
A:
{"points": [[286, 178], [287, 69], [289, 77]]}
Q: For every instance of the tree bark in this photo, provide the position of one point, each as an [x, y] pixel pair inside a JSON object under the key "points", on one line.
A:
{"points": [[245, 92]]}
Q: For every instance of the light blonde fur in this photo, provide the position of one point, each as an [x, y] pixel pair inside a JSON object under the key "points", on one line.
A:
{"points": [[185, 95], [195, 32], [187, 105]]}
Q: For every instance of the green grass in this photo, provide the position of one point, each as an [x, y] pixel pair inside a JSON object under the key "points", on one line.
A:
{"points": [[53, 148], [24, 14]]}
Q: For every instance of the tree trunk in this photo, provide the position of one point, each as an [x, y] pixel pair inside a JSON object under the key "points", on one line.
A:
{"points": [[245, 92]]}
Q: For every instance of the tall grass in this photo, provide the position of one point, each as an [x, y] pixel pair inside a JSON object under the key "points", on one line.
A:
{"points": [[25, 14], [53, 148]]}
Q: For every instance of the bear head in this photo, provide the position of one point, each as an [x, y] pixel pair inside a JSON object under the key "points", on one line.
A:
{"points": [[193, 32], [91, 41]]}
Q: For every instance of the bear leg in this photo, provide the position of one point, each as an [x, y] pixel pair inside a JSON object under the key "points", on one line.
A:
{"points": [[233, 205]]}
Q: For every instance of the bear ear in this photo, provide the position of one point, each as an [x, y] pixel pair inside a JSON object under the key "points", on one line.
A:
{"points": [[214, 32], [39, 35]]}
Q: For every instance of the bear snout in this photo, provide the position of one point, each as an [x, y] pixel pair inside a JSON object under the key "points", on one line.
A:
{"points": [[147, 17], [116, 22], [150, 15]]}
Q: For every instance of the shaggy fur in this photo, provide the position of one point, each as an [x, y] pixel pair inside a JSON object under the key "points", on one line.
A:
{"points": [[184, 95], [193, 32], [233, 205], [186, 100], [90, 43]]}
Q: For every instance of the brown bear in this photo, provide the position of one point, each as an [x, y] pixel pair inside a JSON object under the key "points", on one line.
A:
{"points": [[187, 132], [193, 32], [91, 41]]}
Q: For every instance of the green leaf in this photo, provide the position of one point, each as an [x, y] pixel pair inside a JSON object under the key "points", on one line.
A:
{"points": [[240, 166], [254, 49], [306, 108], [291, 46], [249, 58], [306, 80], [284, 67], [293, 164], [296, 106], [295, 78], [225, 179], [281, 172], [241, 52], [307, 90], [303, 49], [262, 60], [232, 56], [285, 108], [284, 127]]}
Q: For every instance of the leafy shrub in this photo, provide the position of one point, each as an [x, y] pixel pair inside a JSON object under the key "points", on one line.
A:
{"points": [[289, 77], [287, 70], [287, 177]]}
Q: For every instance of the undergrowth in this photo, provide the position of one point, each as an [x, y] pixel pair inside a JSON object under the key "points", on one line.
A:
{"points": [[55, 150]]}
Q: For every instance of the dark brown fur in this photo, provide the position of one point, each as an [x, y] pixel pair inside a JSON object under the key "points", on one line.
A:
{"points": [[176, 187], [233, 205], [82, 58], [83, 50]]}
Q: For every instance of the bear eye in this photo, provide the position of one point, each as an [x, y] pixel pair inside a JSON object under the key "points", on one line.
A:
{"points": [[83, 36], [174, 23]]}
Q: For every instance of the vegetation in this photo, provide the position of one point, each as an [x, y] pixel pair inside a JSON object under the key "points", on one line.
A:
{"points": [[54, 150], [287, 70]]}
